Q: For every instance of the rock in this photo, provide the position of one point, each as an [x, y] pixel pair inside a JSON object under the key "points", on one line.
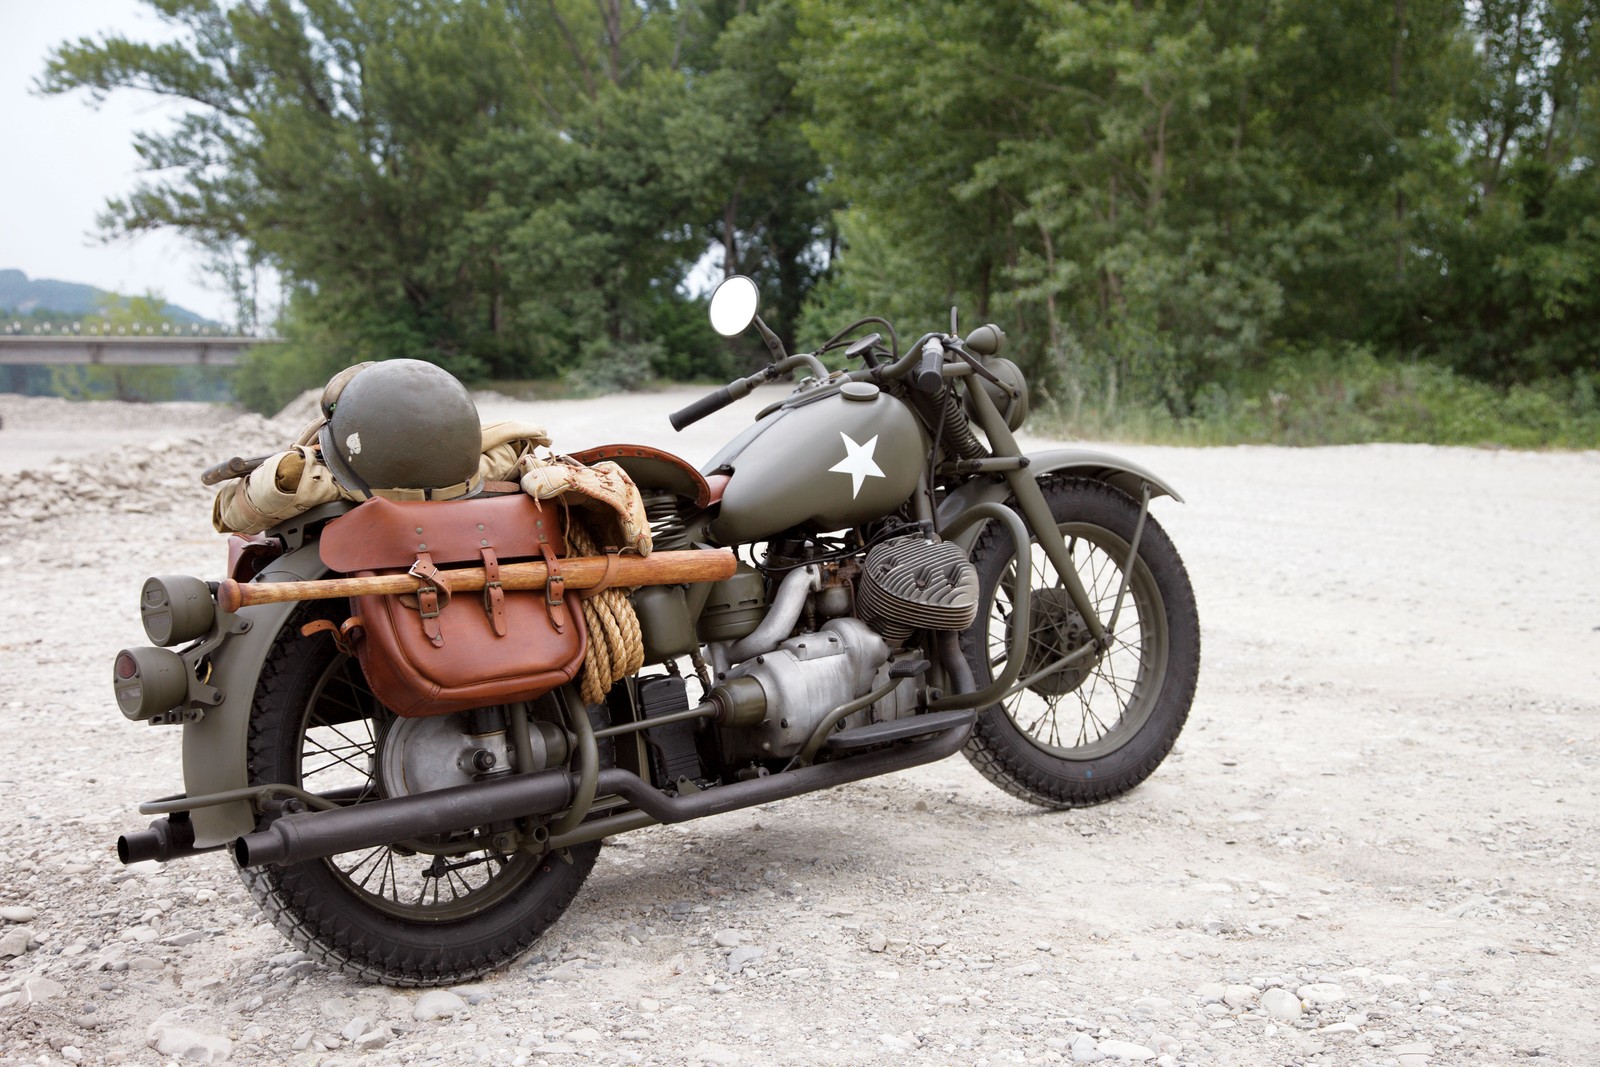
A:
{"points": [[1211, 993], [71, 1053], [1239, 996], [184, 1044], [435, 1003], [40, 988], [353, 1029], [727, 938], [877, 942], [19, 914], [15, 942], [1280, 1004], [1412, 1048], [1344, 1029], [584, 1035], [571, 971], [373, 1039], [1124, 1050], [743, 956], [1321, 994], [648, 1005]]}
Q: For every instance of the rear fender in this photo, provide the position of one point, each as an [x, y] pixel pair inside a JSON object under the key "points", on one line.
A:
{"points": [[216, 749], [1129, 477]]}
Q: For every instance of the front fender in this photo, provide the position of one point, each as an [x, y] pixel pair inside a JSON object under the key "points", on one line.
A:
{"points": [[216, 749], [1125, 475]]}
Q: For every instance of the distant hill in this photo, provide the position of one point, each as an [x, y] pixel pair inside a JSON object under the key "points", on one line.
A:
{"points": [[21, 295]]}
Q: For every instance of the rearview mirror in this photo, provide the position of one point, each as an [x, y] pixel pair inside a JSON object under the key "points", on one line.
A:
{"points": [[733, 305]]}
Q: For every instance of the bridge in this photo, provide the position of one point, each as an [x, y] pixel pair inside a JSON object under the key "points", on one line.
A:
{"points": [[105, 350]]}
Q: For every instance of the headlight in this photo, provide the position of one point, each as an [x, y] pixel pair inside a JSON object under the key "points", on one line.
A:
{"points": [[176, 608]]}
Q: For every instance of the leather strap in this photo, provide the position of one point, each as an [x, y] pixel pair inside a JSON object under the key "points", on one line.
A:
{"points": [[345, 634], [607, 579], [555, 590], [494, 597], [432, 595]]}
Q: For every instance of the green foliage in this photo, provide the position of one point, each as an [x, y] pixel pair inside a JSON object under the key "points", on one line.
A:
{"points": [[488, 184], [1346, 397], [1176, 209], [608, 367]]}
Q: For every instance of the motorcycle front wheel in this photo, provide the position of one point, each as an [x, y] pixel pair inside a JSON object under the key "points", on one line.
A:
{"points": [[1090, 732], [396, 915]]}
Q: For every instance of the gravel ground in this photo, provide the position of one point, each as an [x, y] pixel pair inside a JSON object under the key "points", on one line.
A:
{"points": [[1375, 842]]}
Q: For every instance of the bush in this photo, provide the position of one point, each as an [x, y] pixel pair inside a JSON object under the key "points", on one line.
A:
{"points": [[1342, 397], [610, 367]]}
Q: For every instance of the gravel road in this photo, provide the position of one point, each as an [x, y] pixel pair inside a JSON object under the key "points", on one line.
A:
{"points": [[1375, 842]]}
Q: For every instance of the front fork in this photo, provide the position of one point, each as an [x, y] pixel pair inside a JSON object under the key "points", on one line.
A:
{"points": [[1036, 509]]}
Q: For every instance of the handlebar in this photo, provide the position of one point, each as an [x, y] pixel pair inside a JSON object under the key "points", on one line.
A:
{"points": [[929, 377], [713, 401]]}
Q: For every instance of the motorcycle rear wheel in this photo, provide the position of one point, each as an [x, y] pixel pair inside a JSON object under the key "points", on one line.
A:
{"points": [[389, 915], [1084, 735]]}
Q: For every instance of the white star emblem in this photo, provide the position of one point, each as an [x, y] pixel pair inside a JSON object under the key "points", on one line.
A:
{"points": [[857, 463]]}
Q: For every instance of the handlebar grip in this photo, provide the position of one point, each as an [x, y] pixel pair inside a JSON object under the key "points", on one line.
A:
{"points": [[929, 377], [712, 401]]}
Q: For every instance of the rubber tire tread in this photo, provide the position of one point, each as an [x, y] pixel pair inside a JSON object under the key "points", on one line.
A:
{"points": [[998, 749], [321, 916]]}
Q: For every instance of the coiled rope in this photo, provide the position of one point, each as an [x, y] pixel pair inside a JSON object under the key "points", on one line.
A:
{"points": [[616, 649]]}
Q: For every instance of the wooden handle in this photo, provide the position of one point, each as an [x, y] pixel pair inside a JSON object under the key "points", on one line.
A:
{"points": [[579, 572]]}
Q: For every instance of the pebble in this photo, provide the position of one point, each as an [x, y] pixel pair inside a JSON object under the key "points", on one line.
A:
{"points": [[727, 938], [877, 942], [436, 1002], [743, 956], [40, 988], [1280, 1004], [15, 942], [1124, 1050], [182, 1043], [372, 1039], [1321, 994], [19, 914], [1239, 996]]}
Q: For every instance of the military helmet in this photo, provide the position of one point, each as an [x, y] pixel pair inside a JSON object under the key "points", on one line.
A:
{"points": [[402, 429]]}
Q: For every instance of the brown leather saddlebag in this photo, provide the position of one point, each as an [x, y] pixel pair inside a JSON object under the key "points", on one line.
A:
{"points": [[434, 652]]}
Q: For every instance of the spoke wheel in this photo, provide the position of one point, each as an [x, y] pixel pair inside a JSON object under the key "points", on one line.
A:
{"points": [[1087, 732], [439, 880], [426, 912]]}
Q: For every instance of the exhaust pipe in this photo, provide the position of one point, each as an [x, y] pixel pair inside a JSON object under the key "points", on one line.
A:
{"points": [[311, 835], [167, 839]]}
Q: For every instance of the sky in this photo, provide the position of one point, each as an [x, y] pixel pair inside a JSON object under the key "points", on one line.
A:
{"points": [[65, 159]]}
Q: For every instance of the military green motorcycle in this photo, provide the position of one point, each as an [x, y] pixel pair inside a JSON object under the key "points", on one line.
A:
{"points": [[908, 584]]}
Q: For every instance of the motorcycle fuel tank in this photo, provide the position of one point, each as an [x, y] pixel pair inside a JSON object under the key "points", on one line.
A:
{"points": [[824, 461]]}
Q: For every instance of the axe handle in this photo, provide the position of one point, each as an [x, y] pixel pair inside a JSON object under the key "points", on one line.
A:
{"points": [[578, 572]]}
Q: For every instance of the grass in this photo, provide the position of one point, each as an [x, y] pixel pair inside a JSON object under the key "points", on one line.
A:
{"points": [[1351, 398]]}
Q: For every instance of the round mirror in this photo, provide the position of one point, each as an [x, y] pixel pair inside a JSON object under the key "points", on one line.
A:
{"points": [[733, 305]]}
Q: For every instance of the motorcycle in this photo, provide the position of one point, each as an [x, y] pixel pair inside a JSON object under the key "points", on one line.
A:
{"points": [[905, 583]]}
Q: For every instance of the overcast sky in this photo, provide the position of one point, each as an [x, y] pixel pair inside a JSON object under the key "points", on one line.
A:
{"points": [[64, 158]]}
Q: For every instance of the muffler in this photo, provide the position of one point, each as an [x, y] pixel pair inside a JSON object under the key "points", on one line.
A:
{"points": [[311, 835]]}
